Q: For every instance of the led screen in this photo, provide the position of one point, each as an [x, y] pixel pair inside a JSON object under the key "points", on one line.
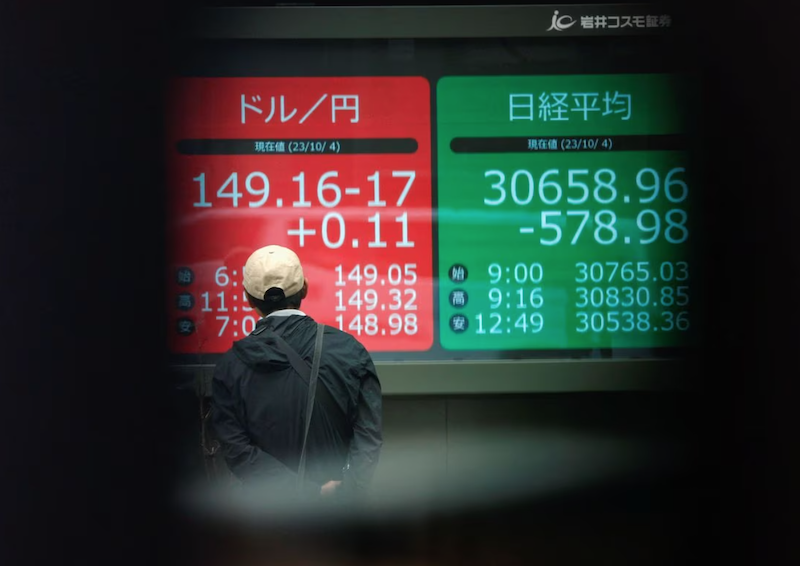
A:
{"points": [[336, 168], [564, 213], [449, 199]]}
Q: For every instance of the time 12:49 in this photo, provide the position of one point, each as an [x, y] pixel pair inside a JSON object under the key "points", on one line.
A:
{"points": [[526, 323]]}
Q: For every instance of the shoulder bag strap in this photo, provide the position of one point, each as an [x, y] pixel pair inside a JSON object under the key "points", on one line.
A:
{"points": [[312, 389]]}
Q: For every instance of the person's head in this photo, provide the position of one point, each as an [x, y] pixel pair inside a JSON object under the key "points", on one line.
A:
{"points": [[274, 280]]}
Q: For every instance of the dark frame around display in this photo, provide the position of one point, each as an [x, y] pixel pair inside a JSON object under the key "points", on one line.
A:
{"points": [[570, 371]]}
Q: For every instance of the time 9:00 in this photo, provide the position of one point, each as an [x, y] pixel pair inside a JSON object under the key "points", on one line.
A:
{"points": [[523, 273]]}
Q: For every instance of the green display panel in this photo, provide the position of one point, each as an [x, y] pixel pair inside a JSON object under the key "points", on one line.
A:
{"points": [[565, 216]]}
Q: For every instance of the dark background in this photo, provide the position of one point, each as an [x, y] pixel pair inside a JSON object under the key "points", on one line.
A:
{"points": [[86, 462]]}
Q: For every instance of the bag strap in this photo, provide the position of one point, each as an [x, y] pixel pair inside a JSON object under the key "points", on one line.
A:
{"points": [[312, 390], [298, 363]]}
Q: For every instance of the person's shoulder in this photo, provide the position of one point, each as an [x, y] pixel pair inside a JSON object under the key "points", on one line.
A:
{"points": [[342, 336], [229, 355], [226, 364], [350, 346]]}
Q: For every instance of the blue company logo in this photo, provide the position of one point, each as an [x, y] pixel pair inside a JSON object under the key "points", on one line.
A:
{"points": [[561, 23]]}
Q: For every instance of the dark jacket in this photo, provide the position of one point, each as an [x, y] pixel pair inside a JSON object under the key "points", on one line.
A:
{"points": [[259, 406]]}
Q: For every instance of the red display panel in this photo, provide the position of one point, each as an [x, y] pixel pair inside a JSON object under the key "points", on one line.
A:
{"points": [[336, 168]]}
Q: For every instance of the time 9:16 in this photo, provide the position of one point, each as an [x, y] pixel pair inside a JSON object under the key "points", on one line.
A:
{"points": [[524, 298]]}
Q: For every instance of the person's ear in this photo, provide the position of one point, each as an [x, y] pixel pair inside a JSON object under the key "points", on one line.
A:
{"points": [[304, 290]]}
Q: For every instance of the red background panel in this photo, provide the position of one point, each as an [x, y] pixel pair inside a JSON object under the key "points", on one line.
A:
{"points": [[215, 240]]}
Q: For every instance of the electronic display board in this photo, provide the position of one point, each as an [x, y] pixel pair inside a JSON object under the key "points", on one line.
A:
{"points": [[564, 217], [452, 198], [335, 168]]}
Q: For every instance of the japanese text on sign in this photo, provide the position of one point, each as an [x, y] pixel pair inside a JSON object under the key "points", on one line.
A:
{"points": [[339, 102], [561, 106]]}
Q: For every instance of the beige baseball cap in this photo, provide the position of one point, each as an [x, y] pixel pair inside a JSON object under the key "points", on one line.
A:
{"points": [[273, 267]]}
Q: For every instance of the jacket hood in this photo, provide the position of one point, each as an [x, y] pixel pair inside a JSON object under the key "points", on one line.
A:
{"points": [[259, 351]]}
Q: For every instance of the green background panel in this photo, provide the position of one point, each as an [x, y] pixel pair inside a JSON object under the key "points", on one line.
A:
{"points": [[475, 234], [479, 106]]}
